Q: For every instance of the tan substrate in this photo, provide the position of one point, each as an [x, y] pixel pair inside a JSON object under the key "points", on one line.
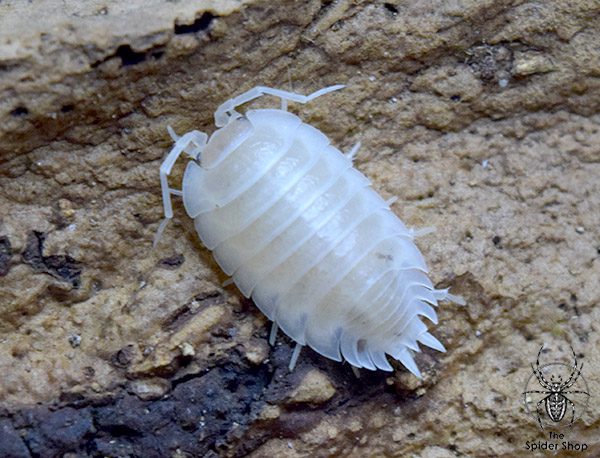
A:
{"points": [[481, 116]]}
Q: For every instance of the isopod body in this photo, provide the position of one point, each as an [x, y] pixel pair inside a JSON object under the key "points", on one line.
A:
{"points": [[301, 231]]}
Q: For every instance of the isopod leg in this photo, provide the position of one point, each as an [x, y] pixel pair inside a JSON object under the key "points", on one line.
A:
{"points": [[391, 201], [227, 109], [414, 233], [294, 358], [423, 231], [444, 295], [350, 155], [273, 334], [191, 144]]}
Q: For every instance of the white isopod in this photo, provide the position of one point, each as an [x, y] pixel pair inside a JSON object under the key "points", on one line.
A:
{"points": [[302, 232]]}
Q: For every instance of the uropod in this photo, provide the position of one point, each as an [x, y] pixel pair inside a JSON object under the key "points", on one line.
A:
{"points": [[301, 231]]}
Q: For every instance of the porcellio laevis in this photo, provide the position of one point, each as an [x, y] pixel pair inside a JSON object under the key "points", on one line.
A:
{"points": [[301, 231]]}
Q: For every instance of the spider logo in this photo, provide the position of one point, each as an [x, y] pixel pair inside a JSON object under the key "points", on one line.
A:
{"points": [[557, 395]]}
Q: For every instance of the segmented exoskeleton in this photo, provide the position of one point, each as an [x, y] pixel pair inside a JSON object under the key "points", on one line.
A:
{"points": [[300, 230]]}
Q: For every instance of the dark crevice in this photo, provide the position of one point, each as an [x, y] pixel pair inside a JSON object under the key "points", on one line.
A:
{"points": [[123, 357], [172, 262], [121, 431], [5, 255], [19, 111], [128, 56], [200, 24], [63, 267], [391, 8], [186, 378], [181, 315]]}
